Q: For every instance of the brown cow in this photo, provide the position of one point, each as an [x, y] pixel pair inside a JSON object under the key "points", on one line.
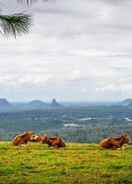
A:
{"points": [[44, 139], [56, 142], [39, 138], [35, 138], [51, 141], [22, 138], [115, 142]]}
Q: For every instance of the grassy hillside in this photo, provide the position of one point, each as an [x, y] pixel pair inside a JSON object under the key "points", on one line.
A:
{"points": [[77, 163]]}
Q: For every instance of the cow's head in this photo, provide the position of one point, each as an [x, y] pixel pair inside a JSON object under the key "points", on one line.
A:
{"points": [[126, 138]]}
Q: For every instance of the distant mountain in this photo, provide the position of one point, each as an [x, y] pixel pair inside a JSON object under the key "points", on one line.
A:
{"points": [[127, 102], [4, 103], [31, 105], [55, 104], [37, 104]]}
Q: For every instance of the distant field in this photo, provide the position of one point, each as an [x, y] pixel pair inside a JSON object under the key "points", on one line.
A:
{"points": [[75, 164]]}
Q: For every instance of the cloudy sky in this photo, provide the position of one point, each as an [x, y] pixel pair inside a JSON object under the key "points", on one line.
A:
{"points": [[77, 50]]}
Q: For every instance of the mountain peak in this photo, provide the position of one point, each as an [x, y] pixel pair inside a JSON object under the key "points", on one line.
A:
{"points": [[37, 104], [4, 102], [127, 102], [54, 103]]}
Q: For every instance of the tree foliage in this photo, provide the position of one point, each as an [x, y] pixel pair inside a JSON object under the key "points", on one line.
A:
{"points": [[15, 24]]}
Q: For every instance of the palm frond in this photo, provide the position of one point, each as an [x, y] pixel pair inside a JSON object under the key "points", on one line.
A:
{"points": [[15, 24]]}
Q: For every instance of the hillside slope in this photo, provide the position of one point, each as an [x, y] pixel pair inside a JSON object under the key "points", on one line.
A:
{"points": [[75, 164]]}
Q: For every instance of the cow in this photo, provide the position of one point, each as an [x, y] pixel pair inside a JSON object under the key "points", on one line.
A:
{"points": [[44, 139], [51, 141], [56, 142], [22, 138], [39, 138], [115, 142], [35, 138]]}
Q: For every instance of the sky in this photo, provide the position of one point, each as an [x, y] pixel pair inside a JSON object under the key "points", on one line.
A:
{"points": [[76, 50]]}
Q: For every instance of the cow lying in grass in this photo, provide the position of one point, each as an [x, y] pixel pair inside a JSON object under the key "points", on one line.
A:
{"points": [[115, 142], [39, 138], [35, 138], [51, 141], [56, 142], [22, 138]]}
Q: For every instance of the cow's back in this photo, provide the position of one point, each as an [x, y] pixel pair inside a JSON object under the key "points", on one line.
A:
{"points": [[106, 143]]}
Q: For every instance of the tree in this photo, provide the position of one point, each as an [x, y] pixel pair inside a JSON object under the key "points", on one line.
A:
{"points": [[15, 24]]}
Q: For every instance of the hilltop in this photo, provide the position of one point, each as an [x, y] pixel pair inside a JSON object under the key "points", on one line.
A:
{"points": [[127, 102], [75, 164], [37, 104], [54, 103], [6, 106], [4, 103]]}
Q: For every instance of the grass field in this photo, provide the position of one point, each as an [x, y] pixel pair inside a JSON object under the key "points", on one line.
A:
{"points": [[77, 163]]}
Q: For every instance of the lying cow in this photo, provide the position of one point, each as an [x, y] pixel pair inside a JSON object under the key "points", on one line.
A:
{"points": [[35, 138], [39, 138], [115, 142], [55, 142], [22, 138]]}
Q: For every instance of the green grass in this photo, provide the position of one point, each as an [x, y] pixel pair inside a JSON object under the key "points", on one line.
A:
{"points": [[75, 164]]}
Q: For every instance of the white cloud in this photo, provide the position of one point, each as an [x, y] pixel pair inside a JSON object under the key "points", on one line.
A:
{"points": [[84, 90], [75, 75], [74, 48]]}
